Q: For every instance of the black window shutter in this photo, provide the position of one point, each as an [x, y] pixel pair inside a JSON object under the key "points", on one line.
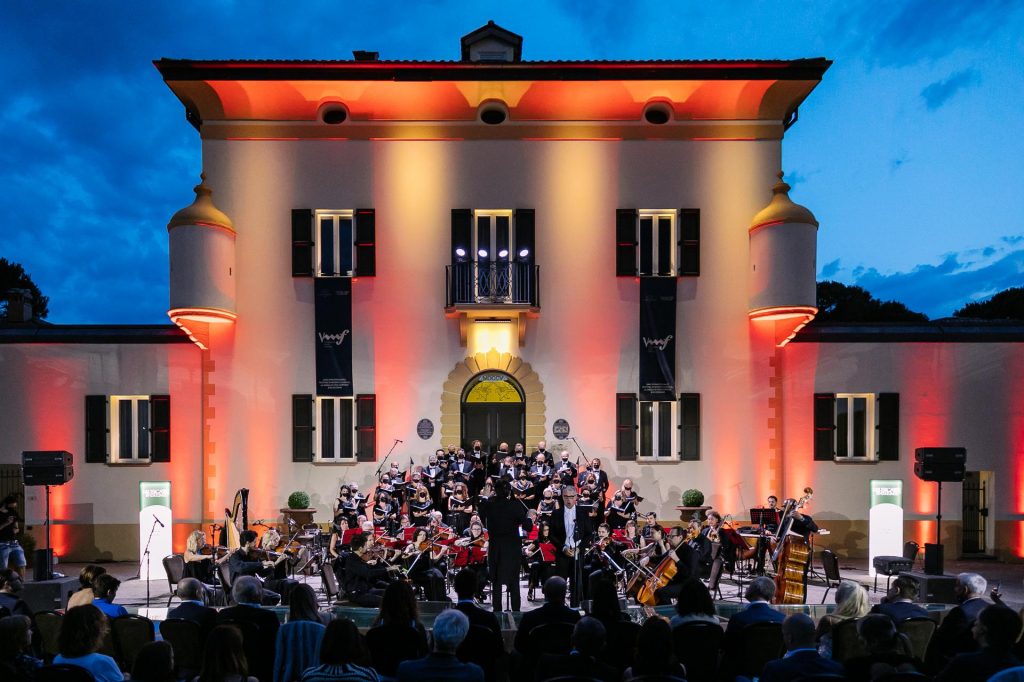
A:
{"points": [[366, 427], [524, 225], [824, 426], [302, 242], [160, 428], [462, 233], [689, 427], [689, 242], [302, 428], [96, 433], [625, 427], [625, 242], [888, 439], [366, 242]]}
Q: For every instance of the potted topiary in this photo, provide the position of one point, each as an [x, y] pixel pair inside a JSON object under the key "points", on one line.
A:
{"points": [[298, 509], [692, 505]]}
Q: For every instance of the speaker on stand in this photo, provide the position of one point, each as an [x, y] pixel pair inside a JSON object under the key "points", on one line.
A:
{"points": [[46, 468], [942, 465]]}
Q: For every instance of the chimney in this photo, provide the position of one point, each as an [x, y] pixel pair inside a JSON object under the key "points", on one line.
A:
{"points": [[19, 305], [365, 55]]}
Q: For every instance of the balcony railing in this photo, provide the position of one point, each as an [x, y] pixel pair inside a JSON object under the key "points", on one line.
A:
{"points": [[492, 284]]}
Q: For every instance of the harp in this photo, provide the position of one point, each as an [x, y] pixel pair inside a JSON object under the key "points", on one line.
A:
{"points": [[237, 518]]}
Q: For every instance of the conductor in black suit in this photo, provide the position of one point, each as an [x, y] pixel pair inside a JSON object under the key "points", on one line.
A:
{"points": [[571, 532], [505, 517]]}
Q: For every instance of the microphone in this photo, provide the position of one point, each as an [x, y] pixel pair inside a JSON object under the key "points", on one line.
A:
{"points": [[160, 522], [399, 441]]}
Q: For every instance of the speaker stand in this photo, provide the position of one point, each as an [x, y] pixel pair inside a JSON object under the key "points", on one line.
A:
{"points": [[938, 517], [49, 554]]}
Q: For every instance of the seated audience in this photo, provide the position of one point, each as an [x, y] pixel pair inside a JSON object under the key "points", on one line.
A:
{"points": [[953, 636], [16, 661], [192, 606], [604, 603], [11, 584], [397, 634], [224, 657], [466, 584], [759, 593], [248, 595], [888, 650], [851, 602], [343, 656], [81, 635], [298, 640], [104, 590], [553, 610], [588, 638], [85, 579], [441, 665], [154, 663], [899, 601], [694, 604], [654, 652], [996, 629], [802, 657]]}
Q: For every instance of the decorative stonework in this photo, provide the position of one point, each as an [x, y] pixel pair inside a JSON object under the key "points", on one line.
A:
{"points": [[451, 393]]}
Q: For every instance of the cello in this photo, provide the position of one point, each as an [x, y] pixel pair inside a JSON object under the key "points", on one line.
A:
{"points": [[792, 559], [661, 576]]}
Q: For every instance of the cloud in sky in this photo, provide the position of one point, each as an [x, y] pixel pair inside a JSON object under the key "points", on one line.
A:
{"points": [[938, 93]]}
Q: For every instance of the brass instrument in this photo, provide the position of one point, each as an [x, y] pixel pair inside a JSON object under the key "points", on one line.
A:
{"points": [[808, 494]]}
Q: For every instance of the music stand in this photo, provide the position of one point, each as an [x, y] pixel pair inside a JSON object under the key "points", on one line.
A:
{"points": [[763, 518]]}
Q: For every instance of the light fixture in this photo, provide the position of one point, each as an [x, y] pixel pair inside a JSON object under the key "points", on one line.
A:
{"points": [[523, 253], [460, 252], [503, 253], [482, 253]]}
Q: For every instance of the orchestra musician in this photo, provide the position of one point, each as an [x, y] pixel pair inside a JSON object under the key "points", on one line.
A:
{"points": [[686, 565], [571, 530], [803, 524], [604, 560], [540, 558], [200, 557], [472, 553], [244, 561], [734, 548], [507, 520], [618, 512], [365, 578], [423, 556], [654, 547]]}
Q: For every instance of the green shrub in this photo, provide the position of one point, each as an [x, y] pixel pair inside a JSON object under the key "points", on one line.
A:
{"points": [[692, 498], [298, 500]]}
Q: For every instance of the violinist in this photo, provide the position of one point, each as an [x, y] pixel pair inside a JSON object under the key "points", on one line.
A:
{"points": [[686, 565], [733, 546], [604, 560], [200, 557], [698, 542], [540, 558], [472, 552], [618, 512], [270, 540], [629, 534], [365, 577], [460, 508], [245, 561], [420, 507], [423, 556], [650, 521]]}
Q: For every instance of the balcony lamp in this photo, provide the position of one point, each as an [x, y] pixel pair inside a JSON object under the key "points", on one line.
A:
{"points": [[460, 252], [523, 253], [503, 253], [482, 253]]}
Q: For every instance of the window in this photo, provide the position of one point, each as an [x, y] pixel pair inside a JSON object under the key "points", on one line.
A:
{"points": [[657, 242], [854, 412], [127, 429], [335, 253], [334, 429], [857, 427], [663, 430], [657, 426], [656, 255], [334, 243]]}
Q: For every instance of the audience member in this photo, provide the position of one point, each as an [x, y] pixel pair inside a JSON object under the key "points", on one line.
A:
{"points": [[224, 657], [694, 604], [248, 595], [11, 584], [996, 629], [154, 663], [192, 606], [888, 650], [85, 579], [654, 652], [553, 610], [298, 640], [953, 636], [899, 602], [802, 657], [104, 590], [851, 602], [343, 656], [604, 603], [397, 634], [441, 665], [588, 638], [466, 583], [16, 663], [759, 593], [81, 634]]}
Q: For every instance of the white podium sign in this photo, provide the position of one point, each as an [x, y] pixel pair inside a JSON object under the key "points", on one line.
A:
{"points": [[885, 521], [154, 528]]}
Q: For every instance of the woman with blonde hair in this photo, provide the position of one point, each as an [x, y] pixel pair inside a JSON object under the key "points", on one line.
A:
{"points": [[197, 564], [852, 602]]}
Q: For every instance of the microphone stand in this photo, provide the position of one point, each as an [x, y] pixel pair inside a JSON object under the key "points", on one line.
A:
{"points": [[384, 461], [145, 558], [585, 458], [577, 578]]}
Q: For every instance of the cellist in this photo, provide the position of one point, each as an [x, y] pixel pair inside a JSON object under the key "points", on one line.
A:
{"points": [[686, 564]]}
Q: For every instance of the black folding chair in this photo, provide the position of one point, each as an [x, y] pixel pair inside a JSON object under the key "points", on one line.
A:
{"points": [[698, 645], [830, 565], [131, 633], [186, 639], [174, 567]]}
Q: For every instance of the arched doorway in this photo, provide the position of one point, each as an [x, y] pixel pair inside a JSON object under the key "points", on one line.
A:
{"points": [[493, 410]]}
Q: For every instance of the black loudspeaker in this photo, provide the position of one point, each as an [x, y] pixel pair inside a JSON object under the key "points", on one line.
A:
{"points": [[49, 595], [42, 564], [47, 467], [934, 559], [944, 465], [933, 589]]}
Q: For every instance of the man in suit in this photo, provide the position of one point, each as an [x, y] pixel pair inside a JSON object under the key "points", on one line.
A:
{"points": [[542, 450], [759, 593], [441, 665], [571, 532], [602, 479], [505, 518], [247, 593], [466, 585], [802, 658], [995, 631], [588, 639], [899, 602], [554, 610], [192, 606], [953, 636], [687, 562]]}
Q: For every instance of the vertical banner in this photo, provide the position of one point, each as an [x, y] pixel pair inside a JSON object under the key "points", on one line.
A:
{"points": [[154, 528], [333, 336], [885, 521], [657, 338]]}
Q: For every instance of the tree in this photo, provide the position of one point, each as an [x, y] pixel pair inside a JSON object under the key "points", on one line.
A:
{"points": [[839, 302], [1006, 305], [13, 276]]}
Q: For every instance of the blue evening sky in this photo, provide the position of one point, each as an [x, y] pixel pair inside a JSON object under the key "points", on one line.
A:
{"points": [[910, 152]]}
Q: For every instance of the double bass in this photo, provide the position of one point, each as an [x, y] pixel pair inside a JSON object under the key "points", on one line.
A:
{"points": [[792, 558]]}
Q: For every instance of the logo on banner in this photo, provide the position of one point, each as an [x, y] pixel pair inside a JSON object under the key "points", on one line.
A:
{"points": [[336, 339], [156, 492], [659, 344]]}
